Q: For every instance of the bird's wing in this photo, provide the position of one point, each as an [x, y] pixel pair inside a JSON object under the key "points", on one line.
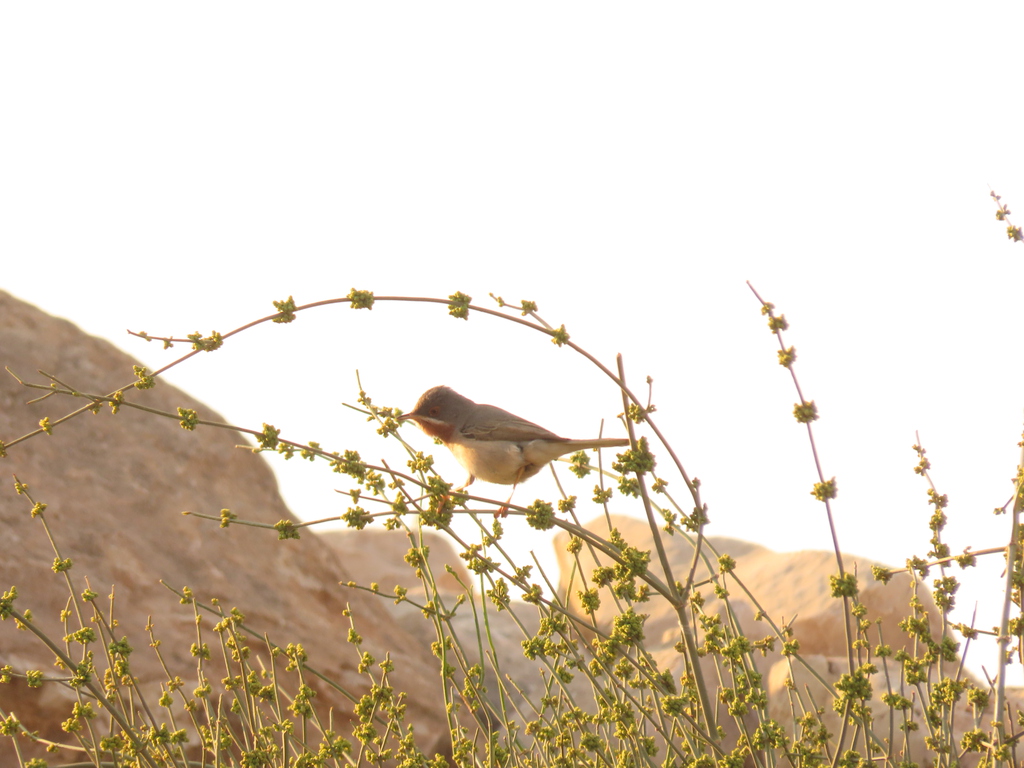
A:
{"points": [[492, 423]]}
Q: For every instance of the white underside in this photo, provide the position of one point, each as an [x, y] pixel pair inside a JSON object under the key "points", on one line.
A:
{"points": [[503, 461], [491, 461]]}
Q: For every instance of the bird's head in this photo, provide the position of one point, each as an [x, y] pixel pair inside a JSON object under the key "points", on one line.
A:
{"points": [[440, 412]]}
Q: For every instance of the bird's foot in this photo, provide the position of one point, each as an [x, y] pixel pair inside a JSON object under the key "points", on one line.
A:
{"points": [[503, 510]]}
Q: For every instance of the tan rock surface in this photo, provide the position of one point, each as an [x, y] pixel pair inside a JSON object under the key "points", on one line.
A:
{"points": [[785, 585], [377, 555], [116, 487]]}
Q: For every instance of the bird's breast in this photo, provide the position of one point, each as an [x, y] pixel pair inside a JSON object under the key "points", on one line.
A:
{"points": [[493, 461]]}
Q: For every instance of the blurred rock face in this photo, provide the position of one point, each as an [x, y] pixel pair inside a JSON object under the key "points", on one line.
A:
{"points": [[115, 487], [792, 587]]}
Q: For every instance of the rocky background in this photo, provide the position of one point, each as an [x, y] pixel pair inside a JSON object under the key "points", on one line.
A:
{"points": [[115, 487]]}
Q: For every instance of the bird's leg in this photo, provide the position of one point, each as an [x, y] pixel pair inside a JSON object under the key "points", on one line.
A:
{"points": [[503, 512]]}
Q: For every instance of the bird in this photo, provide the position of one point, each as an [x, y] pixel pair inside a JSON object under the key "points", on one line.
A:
{"points": [[490, 443]]}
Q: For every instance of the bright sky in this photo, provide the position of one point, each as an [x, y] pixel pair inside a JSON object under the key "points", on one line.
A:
{"points": [[174, 168]]}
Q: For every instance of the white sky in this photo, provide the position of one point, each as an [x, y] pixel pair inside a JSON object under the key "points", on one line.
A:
{"points": [[173, 168]]}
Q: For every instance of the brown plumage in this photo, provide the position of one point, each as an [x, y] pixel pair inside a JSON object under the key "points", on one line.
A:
{"points": [[490, 443]]}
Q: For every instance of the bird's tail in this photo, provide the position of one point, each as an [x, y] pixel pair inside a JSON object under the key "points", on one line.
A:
{"points": [[539, 452], [586, 445]]}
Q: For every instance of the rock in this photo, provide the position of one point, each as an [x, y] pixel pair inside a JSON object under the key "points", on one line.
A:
{"points": [[784, 584], [116, 486], [792, 586], [377, 555]]}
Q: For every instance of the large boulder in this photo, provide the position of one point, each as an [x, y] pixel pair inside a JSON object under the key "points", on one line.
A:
{"points": [[787, 586], [116, 487]]}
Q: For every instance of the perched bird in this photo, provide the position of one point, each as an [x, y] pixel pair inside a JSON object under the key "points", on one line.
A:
{"points": [[490, 443]]}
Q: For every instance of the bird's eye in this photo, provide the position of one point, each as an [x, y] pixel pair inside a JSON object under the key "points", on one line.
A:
{"points": [[435, 410]]}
